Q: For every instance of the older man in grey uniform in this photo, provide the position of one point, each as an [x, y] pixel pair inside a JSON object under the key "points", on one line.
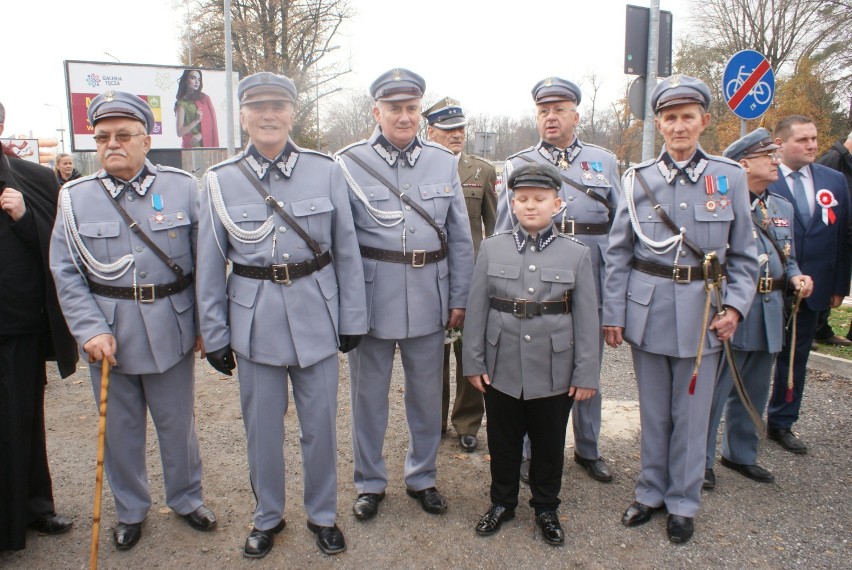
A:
{"points": [[477, 176], [589, 192], [122, 256], [414, 237], [760, 336], [280, 214], [675, 212]]}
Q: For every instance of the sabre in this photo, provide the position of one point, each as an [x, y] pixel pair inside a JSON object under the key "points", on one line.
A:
{"points": [[799, 296], [99, 471]]}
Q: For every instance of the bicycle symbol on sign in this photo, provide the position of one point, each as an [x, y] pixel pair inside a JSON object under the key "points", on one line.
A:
{"points": [[761, 91]]}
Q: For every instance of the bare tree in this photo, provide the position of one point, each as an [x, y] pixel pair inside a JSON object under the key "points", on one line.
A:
{"points": [[349, 120]]}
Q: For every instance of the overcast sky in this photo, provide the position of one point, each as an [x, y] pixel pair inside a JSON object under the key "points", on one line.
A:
{"points": [[487, 54]]}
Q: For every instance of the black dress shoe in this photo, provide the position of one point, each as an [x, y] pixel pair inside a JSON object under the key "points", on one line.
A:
{"points": [[126, 535], [709, 480], [525, 471], [753, 472], [491, 521], [551, 530], [201, 518], [367, 505], [679, 528], [329, 538], [430, 499], [468, 442], [52, 524], [787, 439], [637, 514], [596, 468], [259, 542]]}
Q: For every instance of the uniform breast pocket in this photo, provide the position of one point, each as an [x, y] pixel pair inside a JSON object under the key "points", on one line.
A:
{"points": [[314, 215], [377, 195], [171, 233], [473, 201], [711, 228], [560, 280], [602, 190], [781, 234], [501, 277], [97, 235], [652, 224], [248, 217], [437, 199]]}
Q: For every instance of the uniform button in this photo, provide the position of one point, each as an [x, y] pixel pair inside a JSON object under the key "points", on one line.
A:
{"points": [[527, 338], [245, 214], [446, 189], [650, 217], [285, 256], [172, 235], [276, 178], [682, 181], [406, 186], [570, 198], [629, 295], [683, 252], [766, 299], [530, 290], [313, 207], [143, 274], [139, 248], [170, 223], [682, 230], [715, 215], [282, 229], [502, 272], [408, 208], [683, 205], [557, 278], [532, 248], [532, 268], [372, 194], [100, 233], [412, 229]]}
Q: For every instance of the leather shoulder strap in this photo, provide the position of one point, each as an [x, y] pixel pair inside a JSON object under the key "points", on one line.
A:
{"points": [[665, 218], [590, 192]]}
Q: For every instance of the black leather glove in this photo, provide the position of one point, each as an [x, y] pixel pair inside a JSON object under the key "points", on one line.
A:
{"points": [[348, 342], [222, 360]]}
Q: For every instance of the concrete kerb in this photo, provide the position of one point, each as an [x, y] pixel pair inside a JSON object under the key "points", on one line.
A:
{"points": [[831, 365]]}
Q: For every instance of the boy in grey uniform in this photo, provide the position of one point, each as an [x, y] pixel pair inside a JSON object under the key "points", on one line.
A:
{"points": [[127, 297], [280, 214], [760, 336], [676, 211], [531, 346]]}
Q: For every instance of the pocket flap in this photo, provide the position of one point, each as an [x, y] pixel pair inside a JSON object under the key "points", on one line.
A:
{"points": [[182, 301], [328, 285], [640, 291], [244, 291], [167, 221], [647, 214], [248, 212], [375, 193], [311, 206], [99, 229], [562, 341], [718, 215], [431, 191], [557, 275], [492, 333], [505, 271]]}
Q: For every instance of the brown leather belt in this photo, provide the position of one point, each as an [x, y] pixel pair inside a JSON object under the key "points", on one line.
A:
{"points": [[769, 284], [573, 227], [677, 273], [523, 308], [283, 273], [147, 293], [415, 258]]}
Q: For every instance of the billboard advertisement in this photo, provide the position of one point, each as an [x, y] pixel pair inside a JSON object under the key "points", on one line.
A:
{"points": [[23, 148], [188, 103]]}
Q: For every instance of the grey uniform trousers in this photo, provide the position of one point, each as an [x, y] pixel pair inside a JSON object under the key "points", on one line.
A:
{"points": [[739, 441], [370, 368], [170, 397], [674, 429], [264, 401]]}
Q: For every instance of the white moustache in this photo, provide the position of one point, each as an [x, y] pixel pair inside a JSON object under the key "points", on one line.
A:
{"points": [[109, 153]]}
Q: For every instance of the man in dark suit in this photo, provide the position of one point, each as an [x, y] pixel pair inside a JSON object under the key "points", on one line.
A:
{"points": [[32, 330], [821, 203]]}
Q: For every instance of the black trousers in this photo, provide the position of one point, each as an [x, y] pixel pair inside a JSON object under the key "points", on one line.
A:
{"points": [[25, 488], [545, 420]]}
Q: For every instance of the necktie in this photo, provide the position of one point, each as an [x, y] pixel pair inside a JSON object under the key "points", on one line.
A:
{"points": [[802, 202]]}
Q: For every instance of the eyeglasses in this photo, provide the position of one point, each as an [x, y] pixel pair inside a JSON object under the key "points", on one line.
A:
{"points": [[772, 155], [122, 137], [557, 111]]}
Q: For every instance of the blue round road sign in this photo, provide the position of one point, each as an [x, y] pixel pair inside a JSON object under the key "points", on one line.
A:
{"points": [[748, 84]]}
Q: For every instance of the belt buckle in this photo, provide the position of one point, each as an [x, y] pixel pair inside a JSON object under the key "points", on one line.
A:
{"points": [[564, 226], [139, 290], [277, 277], [764, 285], [415, 253], [677, 274], [522, 303]]}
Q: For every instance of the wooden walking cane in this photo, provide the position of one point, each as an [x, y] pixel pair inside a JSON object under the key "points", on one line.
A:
{"points": [[99, 470]]}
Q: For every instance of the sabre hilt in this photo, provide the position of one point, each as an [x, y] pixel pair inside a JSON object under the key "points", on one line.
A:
{"points": [[712, 271]]}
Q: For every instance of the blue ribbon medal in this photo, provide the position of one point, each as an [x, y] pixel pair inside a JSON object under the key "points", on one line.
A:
{"points": [[157, 203]]}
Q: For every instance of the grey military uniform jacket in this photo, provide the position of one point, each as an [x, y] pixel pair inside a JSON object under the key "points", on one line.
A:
{"points": [[478, 178], [763, 329], [539, 356], [405, 301], [589, 165], [150, 337], [266, 322], [659, 315]]}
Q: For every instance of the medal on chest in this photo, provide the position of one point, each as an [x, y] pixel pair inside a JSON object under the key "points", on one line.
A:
{"points": [[587, 172], [712, 186], [157, 203]]}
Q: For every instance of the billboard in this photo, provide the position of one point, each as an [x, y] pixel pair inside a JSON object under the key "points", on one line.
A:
{"points": [[23, 148], [202, 111]]}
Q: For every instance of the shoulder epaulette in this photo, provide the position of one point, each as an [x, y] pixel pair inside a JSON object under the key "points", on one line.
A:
{"points": [[572, 238], [495, 234], [353, 145], [315, 153], [76, 181], [230, 160], [598, 147], [480, 159], [520, 152], [719, 158], [436, 145], [164, 168]]}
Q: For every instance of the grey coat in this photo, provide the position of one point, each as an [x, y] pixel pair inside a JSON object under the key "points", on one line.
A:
{"points": [[540, 356], [150, 337]]}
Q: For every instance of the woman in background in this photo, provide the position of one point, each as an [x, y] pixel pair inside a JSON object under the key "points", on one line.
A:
{"points": [[64, 168], [196, 117]]}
